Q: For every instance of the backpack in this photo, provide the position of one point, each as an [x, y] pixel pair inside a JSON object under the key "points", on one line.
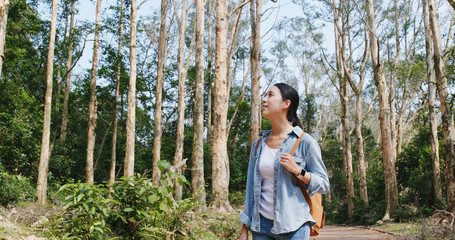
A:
{"points": [[314, 202]]}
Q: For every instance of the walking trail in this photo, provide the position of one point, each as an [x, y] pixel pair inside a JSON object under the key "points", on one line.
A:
{"points": [[347, 233]]}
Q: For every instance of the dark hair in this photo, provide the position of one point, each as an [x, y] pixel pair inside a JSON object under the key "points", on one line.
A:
{"points": [[289, 93]]}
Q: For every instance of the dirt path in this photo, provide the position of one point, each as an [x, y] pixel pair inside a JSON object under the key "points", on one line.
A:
{"points": [[347, 233]]}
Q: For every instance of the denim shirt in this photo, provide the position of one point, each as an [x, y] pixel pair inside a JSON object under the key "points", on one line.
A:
{"points": [[291, 210]]}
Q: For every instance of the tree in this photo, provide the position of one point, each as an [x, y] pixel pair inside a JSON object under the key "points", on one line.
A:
{"points": [[4, 4], [448, 127], [44, 156], [178, 156], [197, 157], [131, 116], [117, 93], [220, 166], [159, 92], [255, 61], [89, 178], [388, 155], [66, 94], [431, 81]]}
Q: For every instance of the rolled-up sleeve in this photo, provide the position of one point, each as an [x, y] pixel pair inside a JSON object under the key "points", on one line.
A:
{"points": [[319, 182]]}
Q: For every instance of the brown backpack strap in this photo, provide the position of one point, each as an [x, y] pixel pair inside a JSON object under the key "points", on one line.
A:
{"points": [[302, 187], [257, 145]]}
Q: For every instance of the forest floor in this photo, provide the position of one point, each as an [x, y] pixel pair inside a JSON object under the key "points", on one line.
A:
{"points": [[23, 223]]}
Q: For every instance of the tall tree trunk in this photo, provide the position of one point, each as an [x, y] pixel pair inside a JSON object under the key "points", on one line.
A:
{"points": [[220, 168], [117, 93], [131, 115], [89, 178], [69, 60], [159, 93], [255, 61], [448, 127], [197, 173], [178, 156], [343, 78], [391, 188], [210, 71], [41, 186], [4, 5], [434, 142]]}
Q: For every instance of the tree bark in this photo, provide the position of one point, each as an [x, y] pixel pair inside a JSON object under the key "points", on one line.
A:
{"points": [[197, 174], [66, 94], [448, 127], [117, 93], [131, 115], [89, 178], [159, 93], [41, 185], [178, 156], [4, 5], [434, 142], [255, 61], [388, 155], [209, 70], [220, 168]]}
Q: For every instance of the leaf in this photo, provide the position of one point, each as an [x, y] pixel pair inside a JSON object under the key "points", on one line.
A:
{"points": [[153, 198], [128, 210]]}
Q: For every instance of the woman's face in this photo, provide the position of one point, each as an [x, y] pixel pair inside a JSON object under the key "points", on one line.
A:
{"points": [[273, 104]]}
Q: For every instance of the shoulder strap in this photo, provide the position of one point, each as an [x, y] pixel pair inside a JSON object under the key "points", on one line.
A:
{"points": [[257, 145], [302, 187]]}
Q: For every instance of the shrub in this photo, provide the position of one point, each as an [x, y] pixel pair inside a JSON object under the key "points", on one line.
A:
{"points": [[86, 210], [15, 188]]}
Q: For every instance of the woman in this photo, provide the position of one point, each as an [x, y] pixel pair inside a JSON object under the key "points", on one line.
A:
{"points": [[275, 207]]}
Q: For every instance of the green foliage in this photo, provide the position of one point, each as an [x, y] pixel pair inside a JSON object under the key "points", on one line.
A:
{"points": [[15, 188], [86, 210]]}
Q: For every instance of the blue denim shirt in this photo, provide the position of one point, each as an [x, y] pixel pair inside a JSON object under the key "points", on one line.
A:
{"points": [[291, 209]]}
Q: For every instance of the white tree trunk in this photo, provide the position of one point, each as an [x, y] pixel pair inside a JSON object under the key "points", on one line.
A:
{"points": [[4, 5], [220, 168], [388, 155], [41, 185], [89, 178], [178, 156], [69, 60], [159, 93], [131, 115], [255, 61], [448, 127], [117, 93]]}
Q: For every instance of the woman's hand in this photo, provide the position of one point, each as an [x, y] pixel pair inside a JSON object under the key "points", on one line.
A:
{"points": [[244, 234], [288, 162]]}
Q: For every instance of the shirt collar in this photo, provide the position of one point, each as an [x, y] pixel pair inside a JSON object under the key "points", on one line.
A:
{"points": [[296, 130]]}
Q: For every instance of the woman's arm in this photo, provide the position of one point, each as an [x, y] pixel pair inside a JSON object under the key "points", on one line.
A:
{"points": [[244, 234]]}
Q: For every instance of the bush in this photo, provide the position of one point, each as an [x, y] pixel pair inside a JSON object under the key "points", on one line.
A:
{"points": [[86, 211], [15, 188]]}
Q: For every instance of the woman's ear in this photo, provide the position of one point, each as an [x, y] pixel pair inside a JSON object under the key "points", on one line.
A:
{"points": [[287, 104]]}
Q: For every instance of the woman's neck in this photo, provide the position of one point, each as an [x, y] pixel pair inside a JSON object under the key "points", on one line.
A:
{"points": [[281, 127]]}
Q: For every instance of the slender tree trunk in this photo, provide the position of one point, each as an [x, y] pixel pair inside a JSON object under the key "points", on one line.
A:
{"points": [[360, 149], [255, 61], [178, 156], [117, 93], [131, 115], [4, 5], [448, 127], [159, 92], [41, 185], [89, 178], [197, 174], [434, 142], [220, 168], [388, 155], [66, 93], [210, 71]]}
